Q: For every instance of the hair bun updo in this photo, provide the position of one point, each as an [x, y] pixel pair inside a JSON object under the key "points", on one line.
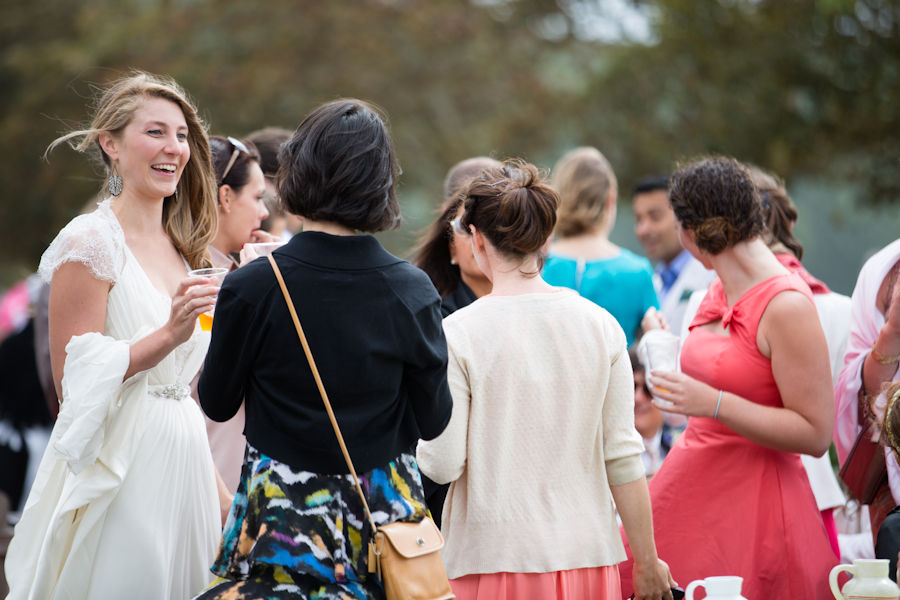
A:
{"points": [[512, 206], [716, 199]]}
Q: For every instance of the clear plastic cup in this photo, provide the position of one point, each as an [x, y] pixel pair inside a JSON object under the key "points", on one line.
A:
{"points": [[216, 277], [659, 352], [265, 249]]}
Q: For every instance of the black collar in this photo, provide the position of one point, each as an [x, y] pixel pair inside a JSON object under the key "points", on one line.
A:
{"points": [[343, 252]]}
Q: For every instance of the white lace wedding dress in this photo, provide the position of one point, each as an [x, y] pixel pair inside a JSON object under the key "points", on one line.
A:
{"points": [[124, 505]]}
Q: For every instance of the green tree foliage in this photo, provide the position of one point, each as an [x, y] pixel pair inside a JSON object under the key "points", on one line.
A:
{"points": [[794, 85]]}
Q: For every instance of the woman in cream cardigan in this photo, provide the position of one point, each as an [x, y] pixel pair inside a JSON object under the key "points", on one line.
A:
{"points": [[543, 421]]}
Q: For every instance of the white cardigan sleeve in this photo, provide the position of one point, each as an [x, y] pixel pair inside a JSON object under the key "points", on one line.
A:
{"points": [[622, 445], [443, 459]]}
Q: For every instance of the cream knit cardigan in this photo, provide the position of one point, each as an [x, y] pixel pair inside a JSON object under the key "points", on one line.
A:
{"points": [[542, 425]]}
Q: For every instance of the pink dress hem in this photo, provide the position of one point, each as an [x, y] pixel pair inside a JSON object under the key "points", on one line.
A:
{"points": [[596, 583]]}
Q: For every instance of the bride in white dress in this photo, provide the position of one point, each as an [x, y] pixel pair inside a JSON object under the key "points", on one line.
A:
{"points": [[125, 504]]}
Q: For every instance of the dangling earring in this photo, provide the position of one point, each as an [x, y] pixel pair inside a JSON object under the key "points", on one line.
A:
{"points": [[452, 261], [114, 184], [175, 200]]}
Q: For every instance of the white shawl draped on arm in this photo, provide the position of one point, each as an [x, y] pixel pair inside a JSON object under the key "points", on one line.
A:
{"points": [[92, 445]]}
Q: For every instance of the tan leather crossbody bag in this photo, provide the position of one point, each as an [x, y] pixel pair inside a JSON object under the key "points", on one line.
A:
{"points": [[405, 556]]}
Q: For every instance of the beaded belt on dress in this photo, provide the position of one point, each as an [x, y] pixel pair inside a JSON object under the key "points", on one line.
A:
{"points": [[175, 391]]}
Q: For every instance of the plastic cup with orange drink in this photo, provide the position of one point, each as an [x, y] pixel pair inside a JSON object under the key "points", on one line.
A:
{"points": [[216, 276]]}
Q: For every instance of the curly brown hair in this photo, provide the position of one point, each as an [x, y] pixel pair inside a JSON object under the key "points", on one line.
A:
{"points": [[716, 198], [513, 207]]}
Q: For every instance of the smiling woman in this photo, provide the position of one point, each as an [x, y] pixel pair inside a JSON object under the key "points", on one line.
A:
{"points": [[128, 463]]}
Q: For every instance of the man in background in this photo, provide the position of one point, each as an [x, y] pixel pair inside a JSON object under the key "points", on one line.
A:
{"points": [[678, 274]]}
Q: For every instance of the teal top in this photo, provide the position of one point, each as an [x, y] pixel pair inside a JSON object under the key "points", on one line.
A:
{"points": [[623, 285]]}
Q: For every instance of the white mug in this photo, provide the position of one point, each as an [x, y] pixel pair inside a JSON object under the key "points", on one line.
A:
{"points": [[717, 588]]}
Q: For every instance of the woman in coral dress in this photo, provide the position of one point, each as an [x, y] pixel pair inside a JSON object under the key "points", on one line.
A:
{"points": [[732, 497]]}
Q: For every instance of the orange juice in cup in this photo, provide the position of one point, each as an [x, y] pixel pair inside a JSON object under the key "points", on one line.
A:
{"points": [[215, 276], [206, 320], [659, 352]]}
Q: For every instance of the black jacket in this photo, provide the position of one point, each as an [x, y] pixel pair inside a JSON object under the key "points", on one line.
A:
{"points": [[373, 323], [461, 298]]}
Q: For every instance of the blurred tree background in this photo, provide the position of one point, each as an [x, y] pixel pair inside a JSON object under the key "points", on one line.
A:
{"points": [[809, 89]]}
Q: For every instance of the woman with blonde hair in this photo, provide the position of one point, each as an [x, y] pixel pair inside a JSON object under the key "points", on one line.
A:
{"points": [[582, 258], [125, 503]]}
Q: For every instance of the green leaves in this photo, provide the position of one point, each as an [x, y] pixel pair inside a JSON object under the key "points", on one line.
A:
{"points": [[798, 86]]}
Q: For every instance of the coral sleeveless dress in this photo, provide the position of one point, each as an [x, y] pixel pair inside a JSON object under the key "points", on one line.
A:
{"points": [[723, 505]]}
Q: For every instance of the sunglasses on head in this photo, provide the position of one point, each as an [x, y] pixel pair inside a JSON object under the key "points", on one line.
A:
{"points": [[238, 148], [458, 226]]}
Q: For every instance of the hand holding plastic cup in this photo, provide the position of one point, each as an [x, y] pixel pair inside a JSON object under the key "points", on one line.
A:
{"points": [[216, 276], [265, 249], [658, 351], [251, 252]]}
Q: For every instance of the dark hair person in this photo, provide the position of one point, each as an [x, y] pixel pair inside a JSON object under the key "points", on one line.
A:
{"points": [[126, 495], [677, 274], [582, 257], [373, 323], [241, 193], [445, 252], [268, 142], [658, 437], [241, 190], [834, 316], [756, 383], [531, 364]]}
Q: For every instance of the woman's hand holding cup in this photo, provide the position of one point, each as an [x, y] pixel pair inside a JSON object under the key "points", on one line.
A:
{"points": [[213, 281], [193, 297]]}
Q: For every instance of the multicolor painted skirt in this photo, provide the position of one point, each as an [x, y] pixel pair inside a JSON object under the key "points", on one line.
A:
{"points": [[296, 534]]}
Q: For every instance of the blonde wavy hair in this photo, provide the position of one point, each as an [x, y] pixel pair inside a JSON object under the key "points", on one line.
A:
{"points": [[190, 217], [584, 179]]}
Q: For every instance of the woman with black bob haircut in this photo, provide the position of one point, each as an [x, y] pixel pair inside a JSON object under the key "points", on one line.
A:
{"points": [[340, 168], [373, 322]]}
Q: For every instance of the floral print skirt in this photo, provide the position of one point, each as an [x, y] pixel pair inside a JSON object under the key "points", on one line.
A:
{"points": [[296, 534]]}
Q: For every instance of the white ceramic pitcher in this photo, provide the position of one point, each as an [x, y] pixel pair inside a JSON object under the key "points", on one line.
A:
{"points": [[870, 581], [717, 588]]}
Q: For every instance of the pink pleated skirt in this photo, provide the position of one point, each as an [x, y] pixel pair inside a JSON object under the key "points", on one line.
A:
{"points": [[597, 583]]}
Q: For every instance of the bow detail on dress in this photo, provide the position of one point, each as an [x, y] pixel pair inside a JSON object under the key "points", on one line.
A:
{"points": [[728, 317]]}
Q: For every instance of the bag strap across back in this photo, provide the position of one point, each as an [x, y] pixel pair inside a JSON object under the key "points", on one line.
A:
{"points": [[315, 372]]}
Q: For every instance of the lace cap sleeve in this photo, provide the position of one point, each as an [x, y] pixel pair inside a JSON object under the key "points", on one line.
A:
{"points": [[95, 239]]}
